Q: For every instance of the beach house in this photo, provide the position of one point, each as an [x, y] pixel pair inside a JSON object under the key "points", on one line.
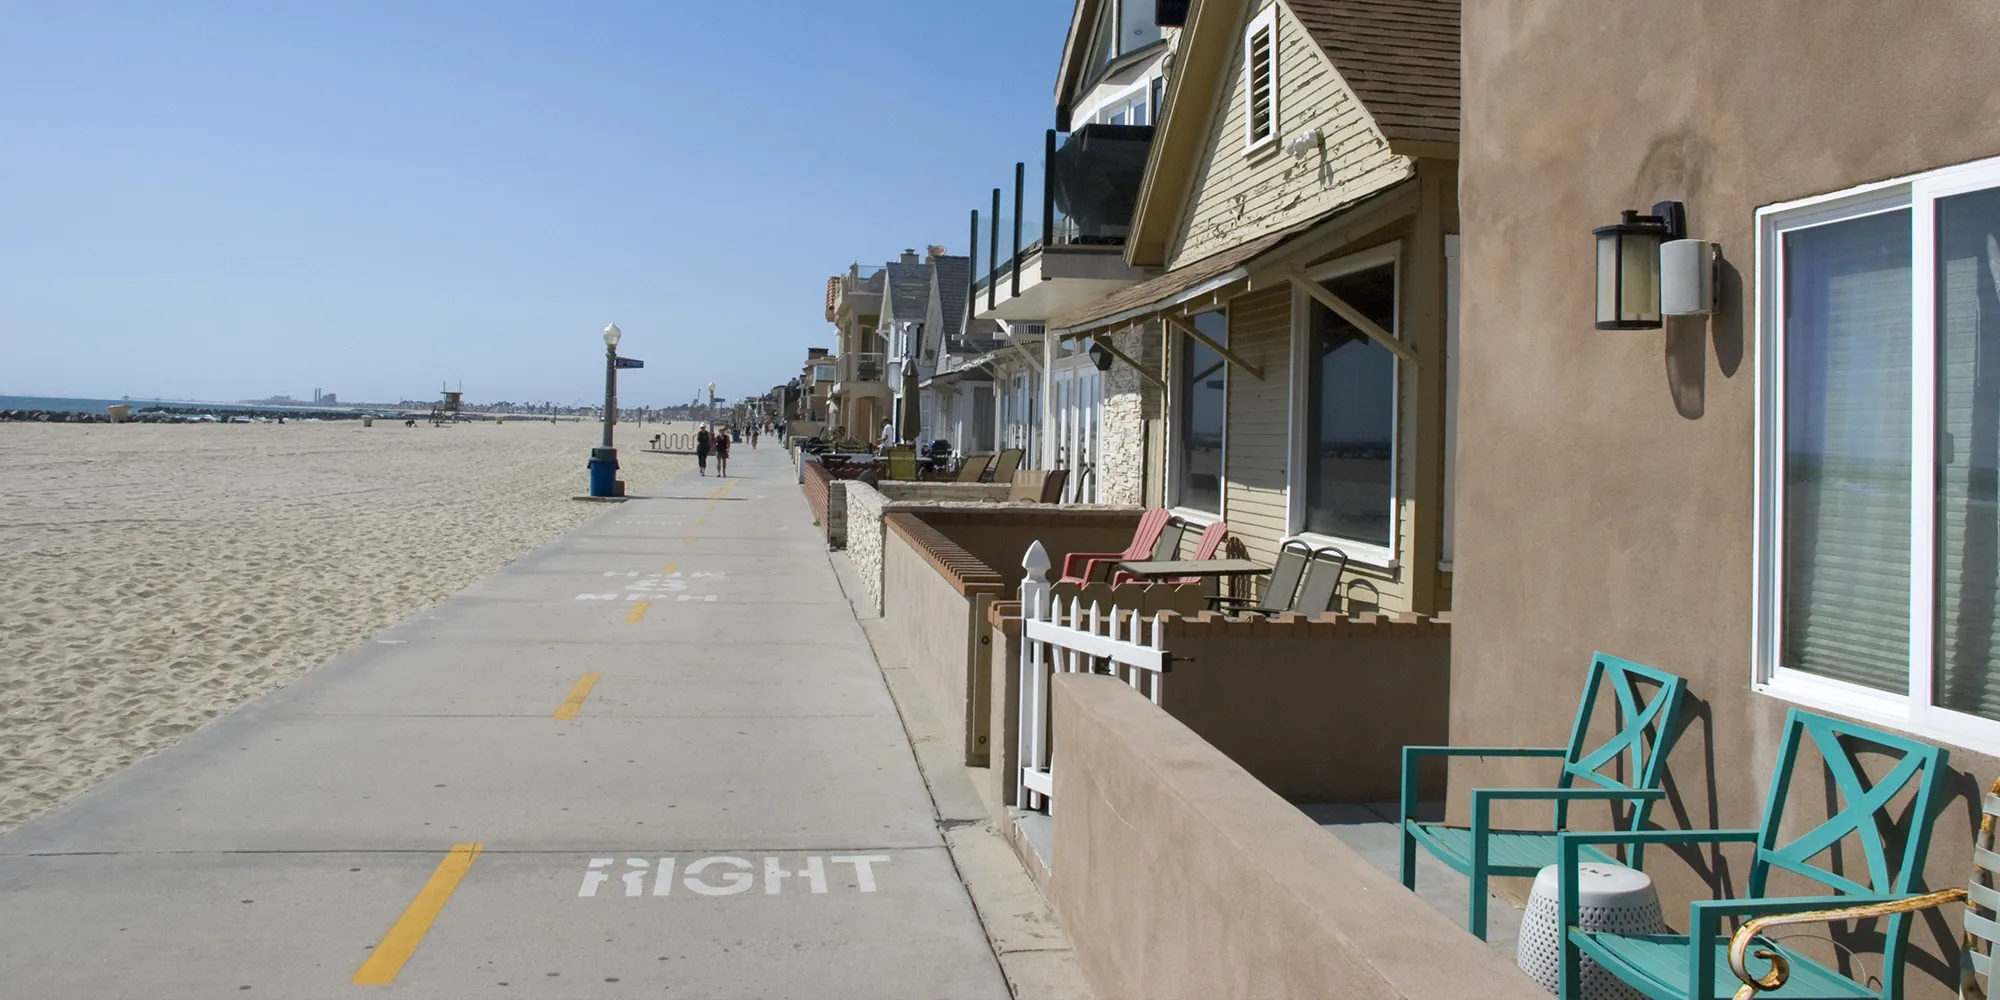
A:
{"points": [[1782, 489], [859, 400], [1292, 356]]}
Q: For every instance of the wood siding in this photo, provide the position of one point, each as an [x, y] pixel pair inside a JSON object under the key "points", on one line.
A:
{"points": [[1236, 198], [1258, 444]]}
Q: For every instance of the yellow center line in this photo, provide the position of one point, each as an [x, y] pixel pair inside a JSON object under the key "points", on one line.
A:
{"points": [[409, 930], [638, 612], [567, 710], [670, 566], [690, 541], [698, 523]]}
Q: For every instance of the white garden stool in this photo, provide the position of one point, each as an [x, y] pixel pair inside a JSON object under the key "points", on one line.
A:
{"points": [[1610, 898]]}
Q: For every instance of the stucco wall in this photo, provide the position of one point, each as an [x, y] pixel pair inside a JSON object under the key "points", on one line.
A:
{"points": [[934, 621], [1176, 874], [1605, 480], [1317, 709]]}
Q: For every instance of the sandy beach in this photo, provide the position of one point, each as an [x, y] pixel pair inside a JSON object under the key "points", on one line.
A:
{"points": [[157, 576]]}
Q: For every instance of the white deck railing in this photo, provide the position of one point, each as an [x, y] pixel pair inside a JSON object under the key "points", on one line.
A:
{"points": [[1077, 639]]}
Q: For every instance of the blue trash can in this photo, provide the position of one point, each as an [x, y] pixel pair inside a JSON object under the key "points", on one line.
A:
{"points": [[603, 472]]}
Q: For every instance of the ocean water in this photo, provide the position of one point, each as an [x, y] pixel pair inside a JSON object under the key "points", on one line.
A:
{"points": [[63, 404], [59, 404]]}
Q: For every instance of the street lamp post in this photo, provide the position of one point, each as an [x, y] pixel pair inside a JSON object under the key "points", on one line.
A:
{"points": [[604, 459], [611, 337]]}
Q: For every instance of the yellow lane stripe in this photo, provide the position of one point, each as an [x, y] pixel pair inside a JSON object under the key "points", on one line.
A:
{"points": [[690, 541], [670, 566], [568, 709], [409, 930], [638, 612]]}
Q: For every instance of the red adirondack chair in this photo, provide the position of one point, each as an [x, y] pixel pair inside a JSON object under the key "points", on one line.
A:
{"points": [[1083, 567], [1211, 541]]}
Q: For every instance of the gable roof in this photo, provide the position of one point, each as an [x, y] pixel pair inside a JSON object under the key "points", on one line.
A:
{"points": [[1400, 57], [946, 295], [907, 291]]}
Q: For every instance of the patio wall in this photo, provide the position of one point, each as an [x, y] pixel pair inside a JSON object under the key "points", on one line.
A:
{"points": [[827, 496], [866, 505], [936, 586], [1317, 709], [1177, 874]]}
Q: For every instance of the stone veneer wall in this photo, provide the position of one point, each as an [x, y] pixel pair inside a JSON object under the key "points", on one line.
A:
{"points": [[1131, 403], [864, 541], [865, 505]]}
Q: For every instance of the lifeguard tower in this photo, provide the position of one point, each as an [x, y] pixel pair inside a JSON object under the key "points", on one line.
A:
{"points": [[445, 410]]}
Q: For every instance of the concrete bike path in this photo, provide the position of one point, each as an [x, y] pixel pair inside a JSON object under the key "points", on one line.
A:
{"points": [[653, 758]]}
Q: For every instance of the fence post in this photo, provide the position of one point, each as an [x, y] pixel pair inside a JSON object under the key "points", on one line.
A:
{"points": [[1031, 737]]}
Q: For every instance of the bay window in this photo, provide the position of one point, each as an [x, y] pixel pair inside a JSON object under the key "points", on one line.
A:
{"points": [[1879, 422]]}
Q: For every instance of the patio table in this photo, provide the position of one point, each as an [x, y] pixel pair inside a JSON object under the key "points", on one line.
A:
{"points": [[1194, 567]]}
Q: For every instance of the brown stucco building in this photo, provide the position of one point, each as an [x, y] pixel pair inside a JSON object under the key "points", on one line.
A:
{"points": [[1612, 490]]}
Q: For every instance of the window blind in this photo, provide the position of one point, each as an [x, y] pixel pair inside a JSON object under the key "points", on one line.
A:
{"points": [[1847, 451], [1968, 453]]}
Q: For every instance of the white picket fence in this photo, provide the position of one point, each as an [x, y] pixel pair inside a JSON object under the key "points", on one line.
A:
{"points": [[1121, 642]]}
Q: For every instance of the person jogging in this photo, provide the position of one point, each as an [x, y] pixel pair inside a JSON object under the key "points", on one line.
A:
{"points": [[722, 453], [702, 441]]}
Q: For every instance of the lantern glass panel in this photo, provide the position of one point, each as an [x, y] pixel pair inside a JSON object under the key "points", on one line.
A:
{"points": [[1639, 269], [1607, 277]]}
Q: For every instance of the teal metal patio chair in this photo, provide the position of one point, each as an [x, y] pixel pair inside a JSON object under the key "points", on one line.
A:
{"points": [[1694, 965], [1646, 730]]}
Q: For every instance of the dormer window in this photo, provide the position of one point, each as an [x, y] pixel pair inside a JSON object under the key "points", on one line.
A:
{"points": [[1260, 81]]}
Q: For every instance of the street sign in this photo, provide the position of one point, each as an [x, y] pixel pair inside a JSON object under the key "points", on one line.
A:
{"points": [[628, 363]]}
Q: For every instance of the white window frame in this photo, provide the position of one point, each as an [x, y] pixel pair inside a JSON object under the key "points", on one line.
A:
{"points": [[1910, 710], [1176, 399], [1267, 21], [1358, 552], [1126, 101]]}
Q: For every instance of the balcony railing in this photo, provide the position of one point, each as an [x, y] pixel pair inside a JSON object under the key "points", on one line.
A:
{"points": [[1089, 187], [861, 368]]}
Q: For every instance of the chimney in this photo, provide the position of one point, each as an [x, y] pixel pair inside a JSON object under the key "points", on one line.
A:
{"points": [[909, 256]]}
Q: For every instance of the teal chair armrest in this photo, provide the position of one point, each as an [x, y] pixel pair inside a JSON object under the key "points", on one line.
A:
{"points": [[1413, 754], [1569, 847], [1482, 801]]}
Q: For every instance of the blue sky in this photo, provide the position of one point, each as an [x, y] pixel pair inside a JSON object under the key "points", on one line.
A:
{"points": [[225, 201]]}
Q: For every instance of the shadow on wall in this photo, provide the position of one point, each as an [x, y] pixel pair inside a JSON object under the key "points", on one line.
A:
{"points": [[1855, 948], [1685, 356]]}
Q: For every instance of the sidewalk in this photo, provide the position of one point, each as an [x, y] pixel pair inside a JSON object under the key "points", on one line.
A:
{"points": [[653, 758]]}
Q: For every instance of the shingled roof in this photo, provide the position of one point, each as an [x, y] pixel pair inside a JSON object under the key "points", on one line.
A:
{"points": [[1399, 56], [909, 290]]}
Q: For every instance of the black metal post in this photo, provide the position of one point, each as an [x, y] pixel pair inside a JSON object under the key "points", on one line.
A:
{"points": [[1020, 176], [993, 250], [610, 389], [971, 273], [1048, 190]]}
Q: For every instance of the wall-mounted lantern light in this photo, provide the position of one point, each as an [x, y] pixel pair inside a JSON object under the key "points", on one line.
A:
{"points": [[1628, 266]]}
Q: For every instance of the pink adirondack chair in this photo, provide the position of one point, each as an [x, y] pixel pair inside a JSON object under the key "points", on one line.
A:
{"points": [[1083, 567], [1211, 541]]}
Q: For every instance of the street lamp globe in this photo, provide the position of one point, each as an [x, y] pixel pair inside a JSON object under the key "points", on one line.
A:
{"points": [[612, 335]]}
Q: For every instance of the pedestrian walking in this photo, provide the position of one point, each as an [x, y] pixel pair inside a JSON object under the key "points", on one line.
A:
{"points": [[753, 439], [702, 441], [722, 453]]}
